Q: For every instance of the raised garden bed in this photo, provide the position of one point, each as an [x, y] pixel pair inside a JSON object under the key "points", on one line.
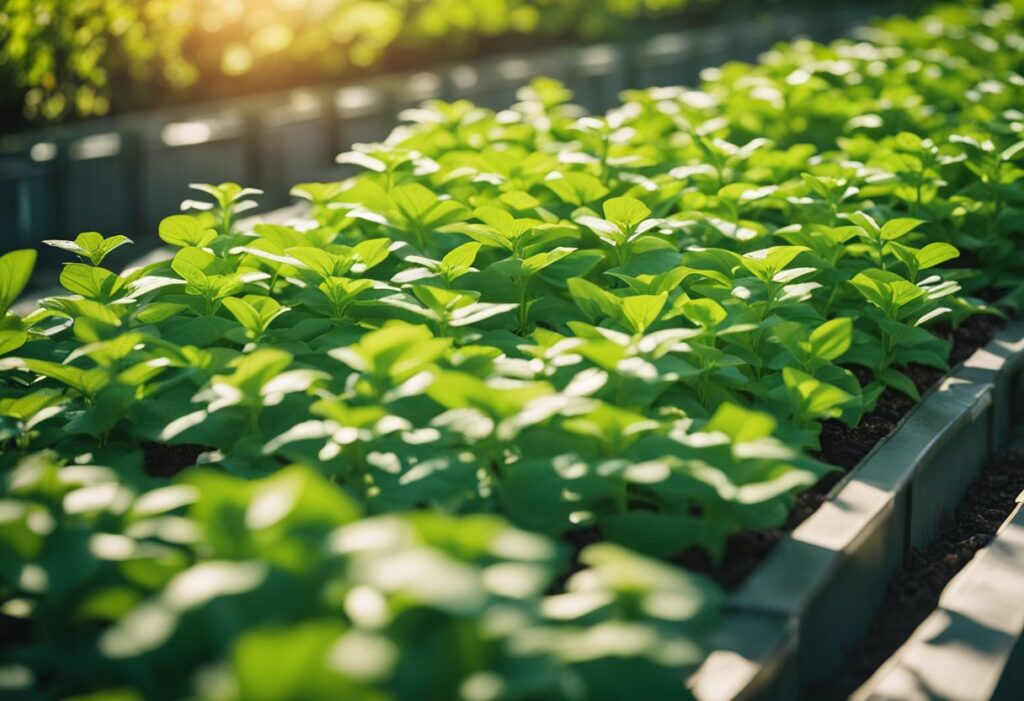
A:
{"points": [[972, 645], [794, 620], [915, 591], [455, 429]]}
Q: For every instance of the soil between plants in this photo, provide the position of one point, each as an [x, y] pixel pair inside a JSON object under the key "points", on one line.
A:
{"points": [[161, 460], [914, 592], [843, 447]]}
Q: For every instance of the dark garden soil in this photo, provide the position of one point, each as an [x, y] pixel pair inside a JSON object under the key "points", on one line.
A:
{"points": [[843, 447], [578, 539], [14, 631], [914, 592], [161, 460]]}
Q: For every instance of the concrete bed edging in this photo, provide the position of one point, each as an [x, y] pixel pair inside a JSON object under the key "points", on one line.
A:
{"points": [[971, 647], [796, 617]]}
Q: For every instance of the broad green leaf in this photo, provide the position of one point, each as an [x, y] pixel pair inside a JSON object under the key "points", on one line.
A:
{"points": [[309, 660], [767, 263], [91, 245], [11, 341], [414, 200], [626, 212], [742, 425], [866, 222], [886, 290], [159, 311], [479, 311], [936, 253], [15, 271], [704, 312], [1011, 152], [655, 534], [540, 261], [361, 159], [458, 390], [821, 186], [459, 259], [520, 200], [341, 292], [900, 382], [398, 350], [833, 338], [640, 311], [319, 261], [577, 189], [609, 232], [184, 230], [898, 228], [595, 302], [254, 320], [97, 284], [371, 253], [815, 399], [88, 382]]}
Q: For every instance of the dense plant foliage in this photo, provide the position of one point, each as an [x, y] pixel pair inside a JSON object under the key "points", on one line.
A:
{"points": [[450, 426], [66, 55]]}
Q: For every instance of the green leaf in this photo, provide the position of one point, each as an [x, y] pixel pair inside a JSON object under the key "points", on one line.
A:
{"points": [[640, 311], [458, 390], [15, 271], [531, 495], [244, 312], [833, 338], [1013, 151], [898, 228], [767, 263], [626, 212], [183, 230], [866, 222], [159, 311], [88, 382], [577, 189], [886, 290], [97, 284], [900, 382], [341, 292], [540, 261], [192, 264], [319, 261], [396, 351], [304, 661], [479, 311], [819, 185], [414, 200], [91, 245], [936, 253], [459, 260], [519, 200], [704, 312], [741, 424], [11, 341], [655, 534], [609, 232], [372, 252], [814, 399], [592, 300]]}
